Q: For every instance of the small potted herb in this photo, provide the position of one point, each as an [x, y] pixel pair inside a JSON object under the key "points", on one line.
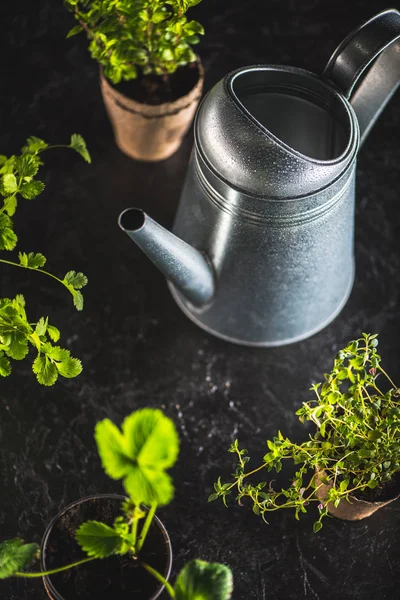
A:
{"points": [[17, 331], [129, 535], [349, 467], [151, 79]]}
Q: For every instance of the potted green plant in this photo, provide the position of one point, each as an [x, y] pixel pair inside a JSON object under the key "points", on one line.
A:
{"points": [[129, 534], [349, 467], [151, 79], [17, 331]]}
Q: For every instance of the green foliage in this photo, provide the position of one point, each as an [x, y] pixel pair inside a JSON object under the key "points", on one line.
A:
{"points": [[143, 36], [355, 445], [139, 454], [15, 556], [17, 332], [148, 440], [200, 580], [98, 539]]}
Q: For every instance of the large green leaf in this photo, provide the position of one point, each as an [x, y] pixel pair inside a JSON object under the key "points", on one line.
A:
{"points": [[45, 370], [149, 486], [151, 438], [140, 454], [16, 556], [98, 539], [112, 449], [200, 580]]}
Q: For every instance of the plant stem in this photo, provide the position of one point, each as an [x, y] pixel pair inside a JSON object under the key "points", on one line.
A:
{"points": [[54, 571], [10, 262], [386, 375], [135, 523], [146, 527], [159, 578]]}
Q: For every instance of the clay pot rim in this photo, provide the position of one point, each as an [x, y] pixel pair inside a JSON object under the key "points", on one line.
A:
{"points": [[353, 498], [165, 108], [50, 588]]}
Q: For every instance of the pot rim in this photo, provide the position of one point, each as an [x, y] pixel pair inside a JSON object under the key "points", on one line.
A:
{"points": [[141, 108], [50, 588], [353, 498]]}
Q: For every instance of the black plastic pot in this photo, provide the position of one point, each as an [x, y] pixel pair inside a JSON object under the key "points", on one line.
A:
{"points": [[113, 578]]}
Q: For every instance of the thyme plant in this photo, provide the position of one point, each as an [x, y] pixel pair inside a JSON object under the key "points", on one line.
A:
{"points": [[139, 454], [355, 445], [17, 331], [132, 37]]}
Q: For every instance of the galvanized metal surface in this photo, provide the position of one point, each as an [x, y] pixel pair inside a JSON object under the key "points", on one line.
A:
{"points": [[269, 193]]}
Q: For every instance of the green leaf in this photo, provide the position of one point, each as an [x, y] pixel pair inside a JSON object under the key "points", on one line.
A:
{"points": [[9, 184], [10, 204], [32, 260], [77, 280], [55, 352], [78, 300], [5, 366], [27, 165], [53, 332], [111, 446], [317, 526], [159, 15], [33, 145], [74, 31], [151, 438], [45, 370], [194, 27], [167, 54], [78, 144], [98, 539], [41, 326], [149, 486], [15, 556], [17, 345], [70, 367], [200, 580], [8, 239], [31, 189], [147, 445]]}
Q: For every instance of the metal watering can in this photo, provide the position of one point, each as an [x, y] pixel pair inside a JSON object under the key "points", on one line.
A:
{"points": [[262, 249]]}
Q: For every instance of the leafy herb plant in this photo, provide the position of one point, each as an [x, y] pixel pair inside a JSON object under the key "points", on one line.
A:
{"points": [[17, 331], [355, 446], [132, 37], [139, 454]]}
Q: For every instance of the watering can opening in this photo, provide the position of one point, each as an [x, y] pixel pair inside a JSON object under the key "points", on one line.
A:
{"points": [[132, 219], [296, 108]]}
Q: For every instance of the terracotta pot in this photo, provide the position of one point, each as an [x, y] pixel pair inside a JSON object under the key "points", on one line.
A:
{"points": [[60, 534], [150, 132], [351, 510]]}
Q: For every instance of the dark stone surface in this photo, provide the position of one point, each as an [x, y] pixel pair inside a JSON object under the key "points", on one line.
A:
{"points": [[139, 350]]}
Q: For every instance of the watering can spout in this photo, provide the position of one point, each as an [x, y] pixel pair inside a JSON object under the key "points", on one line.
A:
{"points": [[186, 268]]}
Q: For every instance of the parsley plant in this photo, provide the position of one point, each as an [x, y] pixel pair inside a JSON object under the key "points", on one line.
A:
{"points": [[17, 331]]}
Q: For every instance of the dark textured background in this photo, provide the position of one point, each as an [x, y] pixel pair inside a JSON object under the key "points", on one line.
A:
{"points": [[138, 349]]}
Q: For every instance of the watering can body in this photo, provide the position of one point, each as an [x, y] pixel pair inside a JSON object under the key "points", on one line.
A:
{"points": [[268, 200]]}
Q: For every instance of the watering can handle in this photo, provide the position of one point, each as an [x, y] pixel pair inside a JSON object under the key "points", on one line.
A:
{"points": [[375, 44]]}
